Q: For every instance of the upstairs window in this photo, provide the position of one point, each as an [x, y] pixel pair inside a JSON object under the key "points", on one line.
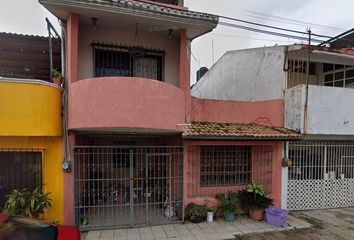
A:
{"points": [[301, 67], [110, 60], [335, 75]]}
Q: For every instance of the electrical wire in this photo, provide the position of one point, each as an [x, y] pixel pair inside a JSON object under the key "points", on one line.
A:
{"points": [[251, 38], [273, 27], [262, 15], [267, 32]]}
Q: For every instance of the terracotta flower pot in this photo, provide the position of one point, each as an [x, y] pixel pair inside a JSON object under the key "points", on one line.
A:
{"points": [[257, 214], [57, 81]]}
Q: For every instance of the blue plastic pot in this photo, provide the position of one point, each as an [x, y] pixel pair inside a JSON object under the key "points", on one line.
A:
{"points": [[229, 216]]}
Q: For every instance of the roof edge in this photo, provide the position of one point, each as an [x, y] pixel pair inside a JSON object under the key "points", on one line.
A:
{"points": [[130, 7], [221, 138]]}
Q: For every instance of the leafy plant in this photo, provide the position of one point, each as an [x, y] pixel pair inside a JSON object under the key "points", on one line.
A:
{"points": [[256, 188], [193, 210], [29, 204], [254, 197], [16, 202], [38, 203], [57, 74], [228, 202]]}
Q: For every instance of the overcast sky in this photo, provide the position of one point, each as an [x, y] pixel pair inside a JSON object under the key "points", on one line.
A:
{"points": [[323, 16]]}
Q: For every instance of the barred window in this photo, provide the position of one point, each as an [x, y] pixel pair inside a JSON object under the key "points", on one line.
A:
{"points": [[19, 170], [225, 165], [113, 60]]}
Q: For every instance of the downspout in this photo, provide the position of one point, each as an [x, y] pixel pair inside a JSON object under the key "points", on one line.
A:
{"points": [[67, 158], [307, 81], [286, 67]]}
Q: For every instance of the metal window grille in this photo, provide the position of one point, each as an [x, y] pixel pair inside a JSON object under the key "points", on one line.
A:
{"points": [[121, 186], [296, 68], [19, 169], [115, 60], [321, 160], [224, 165], [220, 169]]}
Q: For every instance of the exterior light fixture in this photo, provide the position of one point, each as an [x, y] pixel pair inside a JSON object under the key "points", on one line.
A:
{"points": [[94, 23], [170, 34], [138, 50]]}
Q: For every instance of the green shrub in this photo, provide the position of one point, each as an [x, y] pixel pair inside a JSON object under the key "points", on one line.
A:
{"points": [[195, 211], [228, 202], [254, 197], [29, 204]]}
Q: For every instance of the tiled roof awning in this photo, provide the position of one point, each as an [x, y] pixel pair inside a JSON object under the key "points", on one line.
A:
{"points": [[241, 131]]}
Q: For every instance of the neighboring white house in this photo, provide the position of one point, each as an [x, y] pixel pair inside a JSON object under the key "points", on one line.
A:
{"points": [[319, 106]]}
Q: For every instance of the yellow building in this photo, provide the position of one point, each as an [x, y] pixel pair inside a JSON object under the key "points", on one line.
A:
{"points": [[31, 143]]}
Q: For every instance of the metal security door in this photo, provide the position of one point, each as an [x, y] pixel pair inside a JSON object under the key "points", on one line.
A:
{"points": [[128, 186], [322, 175]]}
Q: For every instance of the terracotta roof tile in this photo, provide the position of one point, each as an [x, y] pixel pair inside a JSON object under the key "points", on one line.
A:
{"points": [[237, 130]]}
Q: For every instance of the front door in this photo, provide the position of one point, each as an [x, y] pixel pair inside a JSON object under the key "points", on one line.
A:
{"points": [[128, 186]]}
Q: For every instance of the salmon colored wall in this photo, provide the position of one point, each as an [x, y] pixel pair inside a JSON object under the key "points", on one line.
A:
{"points": [[72, 47], [270, 112], [52, 149], [124, 102], [194, 193]]}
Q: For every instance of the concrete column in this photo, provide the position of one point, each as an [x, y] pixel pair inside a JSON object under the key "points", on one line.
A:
{"points": [[284, 180], [184, 72], [72, 47]]}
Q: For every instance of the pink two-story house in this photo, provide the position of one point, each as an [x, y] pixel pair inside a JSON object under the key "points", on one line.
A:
{"points": [[140, 147]]}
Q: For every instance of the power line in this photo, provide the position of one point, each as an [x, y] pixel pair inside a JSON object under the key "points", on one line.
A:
{"points": [[251, 38], [267, 32], [273, 27], [261, 15]]}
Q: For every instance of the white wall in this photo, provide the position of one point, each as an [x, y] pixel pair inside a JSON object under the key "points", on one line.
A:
{"points": [[330, 110], [111, 35], [245, 75], [294, 108]]}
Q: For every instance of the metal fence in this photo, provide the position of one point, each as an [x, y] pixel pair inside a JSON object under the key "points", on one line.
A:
{"points": [[321, 160], [219, 169], [128, 186], [19, 169], [321, 175]]}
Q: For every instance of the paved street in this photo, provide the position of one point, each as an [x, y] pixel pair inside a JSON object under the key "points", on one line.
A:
{"points": [[335, 224]]}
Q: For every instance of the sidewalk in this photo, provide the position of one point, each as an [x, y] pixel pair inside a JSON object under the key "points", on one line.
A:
{"points": [[217, 230]]}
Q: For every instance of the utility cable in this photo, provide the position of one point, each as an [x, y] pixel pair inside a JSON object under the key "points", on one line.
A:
{"points": [[269, 26], [267, 32]]}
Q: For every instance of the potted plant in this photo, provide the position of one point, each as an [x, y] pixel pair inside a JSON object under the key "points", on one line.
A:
{"points": [[254, 200], [169, 209], [228, 205], [196, 213], [210, 210], [57, 77], [29, 204]]}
